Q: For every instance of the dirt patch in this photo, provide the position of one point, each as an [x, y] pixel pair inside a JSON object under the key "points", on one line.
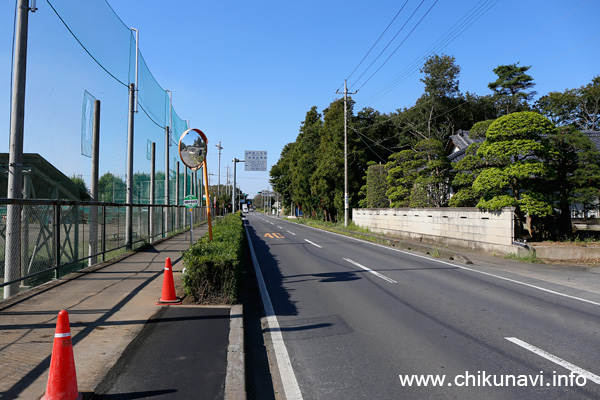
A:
{"points": [[565, 244], [588, 262]]}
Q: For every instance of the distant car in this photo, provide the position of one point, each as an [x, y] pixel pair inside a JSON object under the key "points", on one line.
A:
{"points": [[244, 208]]}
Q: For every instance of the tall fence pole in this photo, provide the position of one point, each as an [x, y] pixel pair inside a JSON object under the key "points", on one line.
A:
{"points": [[177, 216], [185, 181], [152, 190], [129, 199], [12, 257], [167, 194], [93, 249]]}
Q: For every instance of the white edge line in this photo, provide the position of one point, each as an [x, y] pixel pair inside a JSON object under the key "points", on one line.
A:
{"points": [[565, 364], [377, 274], [465, 268], [314, 244], [288, 378]]}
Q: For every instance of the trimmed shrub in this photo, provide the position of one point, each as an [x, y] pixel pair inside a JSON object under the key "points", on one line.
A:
{"points": [[212, 270]]}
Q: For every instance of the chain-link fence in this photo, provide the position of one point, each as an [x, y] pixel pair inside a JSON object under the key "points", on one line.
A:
{"points": [[59, 237]]}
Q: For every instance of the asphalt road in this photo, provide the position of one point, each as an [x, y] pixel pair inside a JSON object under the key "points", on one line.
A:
{"points": [[359, 320], [180, 354]]}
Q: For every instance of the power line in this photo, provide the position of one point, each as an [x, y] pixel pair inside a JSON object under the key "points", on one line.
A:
{"points": [[394, 52], [377, 41], [448, 37], [389, 43]]}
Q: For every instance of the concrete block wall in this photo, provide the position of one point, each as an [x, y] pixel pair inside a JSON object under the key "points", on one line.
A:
{"points": [[472, 228]]}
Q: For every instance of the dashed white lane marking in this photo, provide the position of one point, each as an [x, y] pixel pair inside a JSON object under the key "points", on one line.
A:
{"points": [[291, 233], [313, 243], [464, 268], [377, 274], [565, 364]]}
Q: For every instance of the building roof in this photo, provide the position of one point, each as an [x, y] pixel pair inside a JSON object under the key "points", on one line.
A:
{"points": [[594, 137], [457, 145], [41, 180]]}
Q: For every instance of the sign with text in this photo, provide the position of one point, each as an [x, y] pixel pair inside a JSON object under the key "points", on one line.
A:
{"points": [[190, 202], [255, 160]]}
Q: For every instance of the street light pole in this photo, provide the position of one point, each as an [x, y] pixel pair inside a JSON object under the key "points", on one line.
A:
{"points": [[218, 146], [233, 194]]}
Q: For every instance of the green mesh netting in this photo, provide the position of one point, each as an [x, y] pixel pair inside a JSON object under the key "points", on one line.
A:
{"points": [[87, 122], [69, 55], [7, 17]]}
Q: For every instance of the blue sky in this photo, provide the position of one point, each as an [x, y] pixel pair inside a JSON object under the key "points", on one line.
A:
{"points": [[246, 73]]}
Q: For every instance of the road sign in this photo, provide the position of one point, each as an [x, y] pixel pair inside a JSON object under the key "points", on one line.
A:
{"points": [[190, 201], [255, 160]]}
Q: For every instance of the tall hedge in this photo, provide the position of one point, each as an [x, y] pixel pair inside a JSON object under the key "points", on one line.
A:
{"points": [[213, 269]]}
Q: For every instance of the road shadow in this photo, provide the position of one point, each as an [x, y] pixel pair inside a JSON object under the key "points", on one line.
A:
{"points": [[280, 297], [103, 320], [134, 395]]}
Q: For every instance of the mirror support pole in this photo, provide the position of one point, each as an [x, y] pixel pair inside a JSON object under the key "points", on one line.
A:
{"points": [[205, 169]]}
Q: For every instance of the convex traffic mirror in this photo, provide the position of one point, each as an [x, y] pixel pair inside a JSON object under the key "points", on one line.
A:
{"points": [[192, 148]]}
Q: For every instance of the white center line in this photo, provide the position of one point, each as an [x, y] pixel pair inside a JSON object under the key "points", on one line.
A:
{"points": [[565, 364], [377, 274], [314, 244]]}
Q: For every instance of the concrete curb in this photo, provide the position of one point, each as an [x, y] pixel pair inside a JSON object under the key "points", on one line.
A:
{"points": [[235, 380]]}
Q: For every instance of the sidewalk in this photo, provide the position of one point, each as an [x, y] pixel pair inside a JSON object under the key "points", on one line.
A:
{"points": [[108, 307]]}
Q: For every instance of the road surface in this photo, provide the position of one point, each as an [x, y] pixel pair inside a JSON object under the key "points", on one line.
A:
{"points": [[356, 320]]}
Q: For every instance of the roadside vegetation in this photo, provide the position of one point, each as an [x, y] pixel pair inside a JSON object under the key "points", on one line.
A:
{"points": [[212, 270], [534, 155]]}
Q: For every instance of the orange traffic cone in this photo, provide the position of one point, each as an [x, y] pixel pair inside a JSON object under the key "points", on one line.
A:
{"points": [[62, 380], [168, 290]]}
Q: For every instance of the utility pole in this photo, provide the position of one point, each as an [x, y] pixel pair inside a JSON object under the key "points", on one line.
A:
{"points": [[12, 256], [227, 184], [346, 199], [218, 146]]}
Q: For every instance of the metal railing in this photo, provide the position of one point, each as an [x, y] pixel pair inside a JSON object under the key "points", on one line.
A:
{"points": [[58, 237]]}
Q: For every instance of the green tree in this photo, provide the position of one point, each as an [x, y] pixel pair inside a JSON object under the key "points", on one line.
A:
{"points": [[512, 89], [441, 96], [589, 115], [465, 173], [560, 107], [468, 168], [419, 177], [576, 180], [81, 185], [111, 188], [578, 107], [403, 170], [303, 160], [280, 173], [376, 187], [328, 180], [441, 76], [515, 173], [432, 186]]}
